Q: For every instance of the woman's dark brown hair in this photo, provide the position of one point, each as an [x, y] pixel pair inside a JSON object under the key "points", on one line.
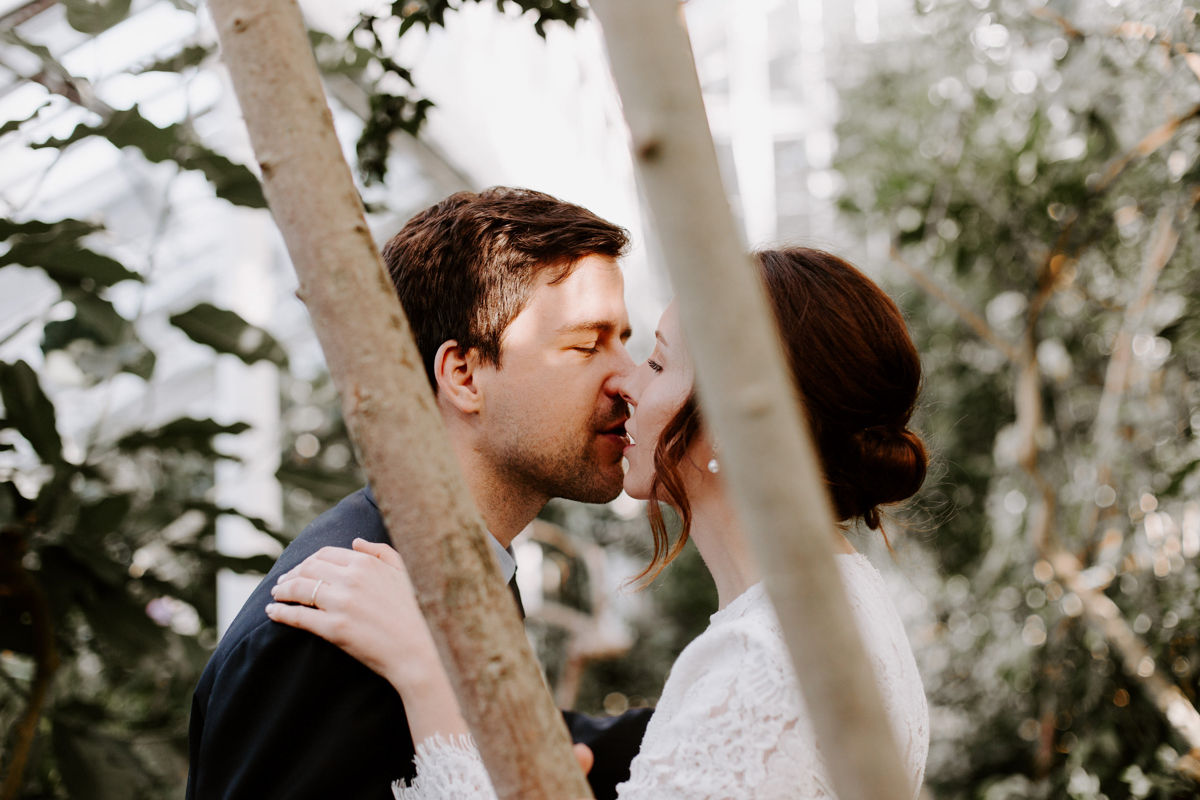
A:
{"points": [[859, 375]]}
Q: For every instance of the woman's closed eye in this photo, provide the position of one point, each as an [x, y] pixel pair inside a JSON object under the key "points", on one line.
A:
{"points": [[654, 365]]}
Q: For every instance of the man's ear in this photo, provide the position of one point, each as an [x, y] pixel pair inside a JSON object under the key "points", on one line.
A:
{"points": [[455, 374]]}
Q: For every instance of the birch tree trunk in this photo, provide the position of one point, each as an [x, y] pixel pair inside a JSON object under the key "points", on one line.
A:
{"points": [[747, 393], [389, 409]]}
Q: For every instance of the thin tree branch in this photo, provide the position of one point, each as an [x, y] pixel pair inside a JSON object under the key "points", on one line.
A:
{"points": [[22, 590], [1068, 29], [1135, 657], [1161, 248], [968, 316], [1149, 143]]}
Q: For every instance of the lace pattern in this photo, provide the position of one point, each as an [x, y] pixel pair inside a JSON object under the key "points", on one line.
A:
{"points": [[447, 769], [731, 723]]}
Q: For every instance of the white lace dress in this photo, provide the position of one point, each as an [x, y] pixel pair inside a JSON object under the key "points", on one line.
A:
{"points": [[731, 724]]}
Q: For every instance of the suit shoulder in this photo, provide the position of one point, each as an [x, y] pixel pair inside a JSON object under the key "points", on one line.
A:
{"points": [[355, 517]]}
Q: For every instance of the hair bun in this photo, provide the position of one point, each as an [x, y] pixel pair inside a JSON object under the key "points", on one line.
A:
{"points": [[891, 467]]}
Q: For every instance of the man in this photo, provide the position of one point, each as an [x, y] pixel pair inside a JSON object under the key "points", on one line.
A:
{"points": [[516, 303]]}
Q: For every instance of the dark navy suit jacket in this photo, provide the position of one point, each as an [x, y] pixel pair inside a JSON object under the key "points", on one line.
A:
{"points": [[281, 713]]}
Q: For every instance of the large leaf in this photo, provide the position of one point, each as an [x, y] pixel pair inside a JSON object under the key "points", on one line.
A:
{"points": [[260, 564], [97, 321], [103, 517], [329, 486], [29, 411], [122, 624], [14, 124], [55, 247], [187, 57], [184, 435], [1179, 477], [212, 511], [338, 56], [233, 182], [226, 332], [389, 113], [50, 64], [94, 766], [88, 16]]}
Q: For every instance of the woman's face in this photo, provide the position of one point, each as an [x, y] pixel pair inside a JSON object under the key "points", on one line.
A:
{"points": [[655, 391]]}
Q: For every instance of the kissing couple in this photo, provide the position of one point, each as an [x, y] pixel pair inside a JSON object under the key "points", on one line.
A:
{"points": [[328, 685]]}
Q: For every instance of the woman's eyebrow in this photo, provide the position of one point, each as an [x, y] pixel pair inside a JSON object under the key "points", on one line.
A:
{"points": [[658, 335]]}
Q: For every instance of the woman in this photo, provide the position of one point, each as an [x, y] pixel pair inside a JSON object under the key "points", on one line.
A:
{"points": [[731, 722]]}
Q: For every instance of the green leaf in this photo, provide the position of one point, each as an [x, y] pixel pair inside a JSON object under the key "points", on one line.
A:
{"points": [[1179, 477], [184, 435], [187, 57], [103, 517], [233, 182], [54, 246], [338, 56], [29, 411], [14, 124], [226, 332], [328, 486], [86, 16], [389, 113], [50, 64], [259, 564], [97, 321], [94, 766], [212, 511]]}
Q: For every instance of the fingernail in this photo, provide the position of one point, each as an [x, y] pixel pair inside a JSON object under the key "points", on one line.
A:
{"points": [[271, 607]]}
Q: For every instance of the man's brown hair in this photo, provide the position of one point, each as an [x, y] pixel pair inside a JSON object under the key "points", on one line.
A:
{"points": [[466, 267]]}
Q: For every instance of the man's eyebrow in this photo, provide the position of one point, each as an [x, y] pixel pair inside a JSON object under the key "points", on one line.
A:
{"points": [[598, 325]]}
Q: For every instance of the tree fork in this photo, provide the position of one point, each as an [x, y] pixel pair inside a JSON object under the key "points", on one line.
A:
{"points": [[389, 409], [767, 452]]}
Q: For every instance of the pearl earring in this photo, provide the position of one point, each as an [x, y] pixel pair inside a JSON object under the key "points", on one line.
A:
{"points": [[713, 466]]}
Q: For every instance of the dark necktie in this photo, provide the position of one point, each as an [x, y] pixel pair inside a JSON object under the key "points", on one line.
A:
{"points": [[512, 585]]}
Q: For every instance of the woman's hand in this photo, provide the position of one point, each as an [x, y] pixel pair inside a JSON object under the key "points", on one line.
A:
{"points": [[362, 601]]}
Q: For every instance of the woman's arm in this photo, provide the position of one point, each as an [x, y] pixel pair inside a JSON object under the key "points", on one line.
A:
{"points": [[362, 601]]}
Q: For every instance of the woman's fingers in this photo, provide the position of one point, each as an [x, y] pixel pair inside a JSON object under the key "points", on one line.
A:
{"points": [[305, 591], [585, 756], [384, 552], [303, 617], [338, 556], [317, 569]]}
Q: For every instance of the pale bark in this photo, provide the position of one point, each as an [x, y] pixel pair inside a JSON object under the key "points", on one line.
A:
{"points": [[388, 406], [747, 393]]}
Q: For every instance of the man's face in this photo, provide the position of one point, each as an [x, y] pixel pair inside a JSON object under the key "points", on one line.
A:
{"points": [[553, 419]]}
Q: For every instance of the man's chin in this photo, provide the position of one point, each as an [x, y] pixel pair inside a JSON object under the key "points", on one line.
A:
{"points": [[604, 487]]}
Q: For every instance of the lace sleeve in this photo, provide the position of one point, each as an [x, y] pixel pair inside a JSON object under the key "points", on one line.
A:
{"points": [[737, 731], [447, 770]]}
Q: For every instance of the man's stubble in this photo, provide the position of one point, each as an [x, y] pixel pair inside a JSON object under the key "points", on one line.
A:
{"points": [[566, 464]]}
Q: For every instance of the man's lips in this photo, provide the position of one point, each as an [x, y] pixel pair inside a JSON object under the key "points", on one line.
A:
{"points": [[617, 433]]}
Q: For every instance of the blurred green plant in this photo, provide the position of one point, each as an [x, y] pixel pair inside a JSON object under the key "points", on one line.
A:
{"points": [[1035, 167]]}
